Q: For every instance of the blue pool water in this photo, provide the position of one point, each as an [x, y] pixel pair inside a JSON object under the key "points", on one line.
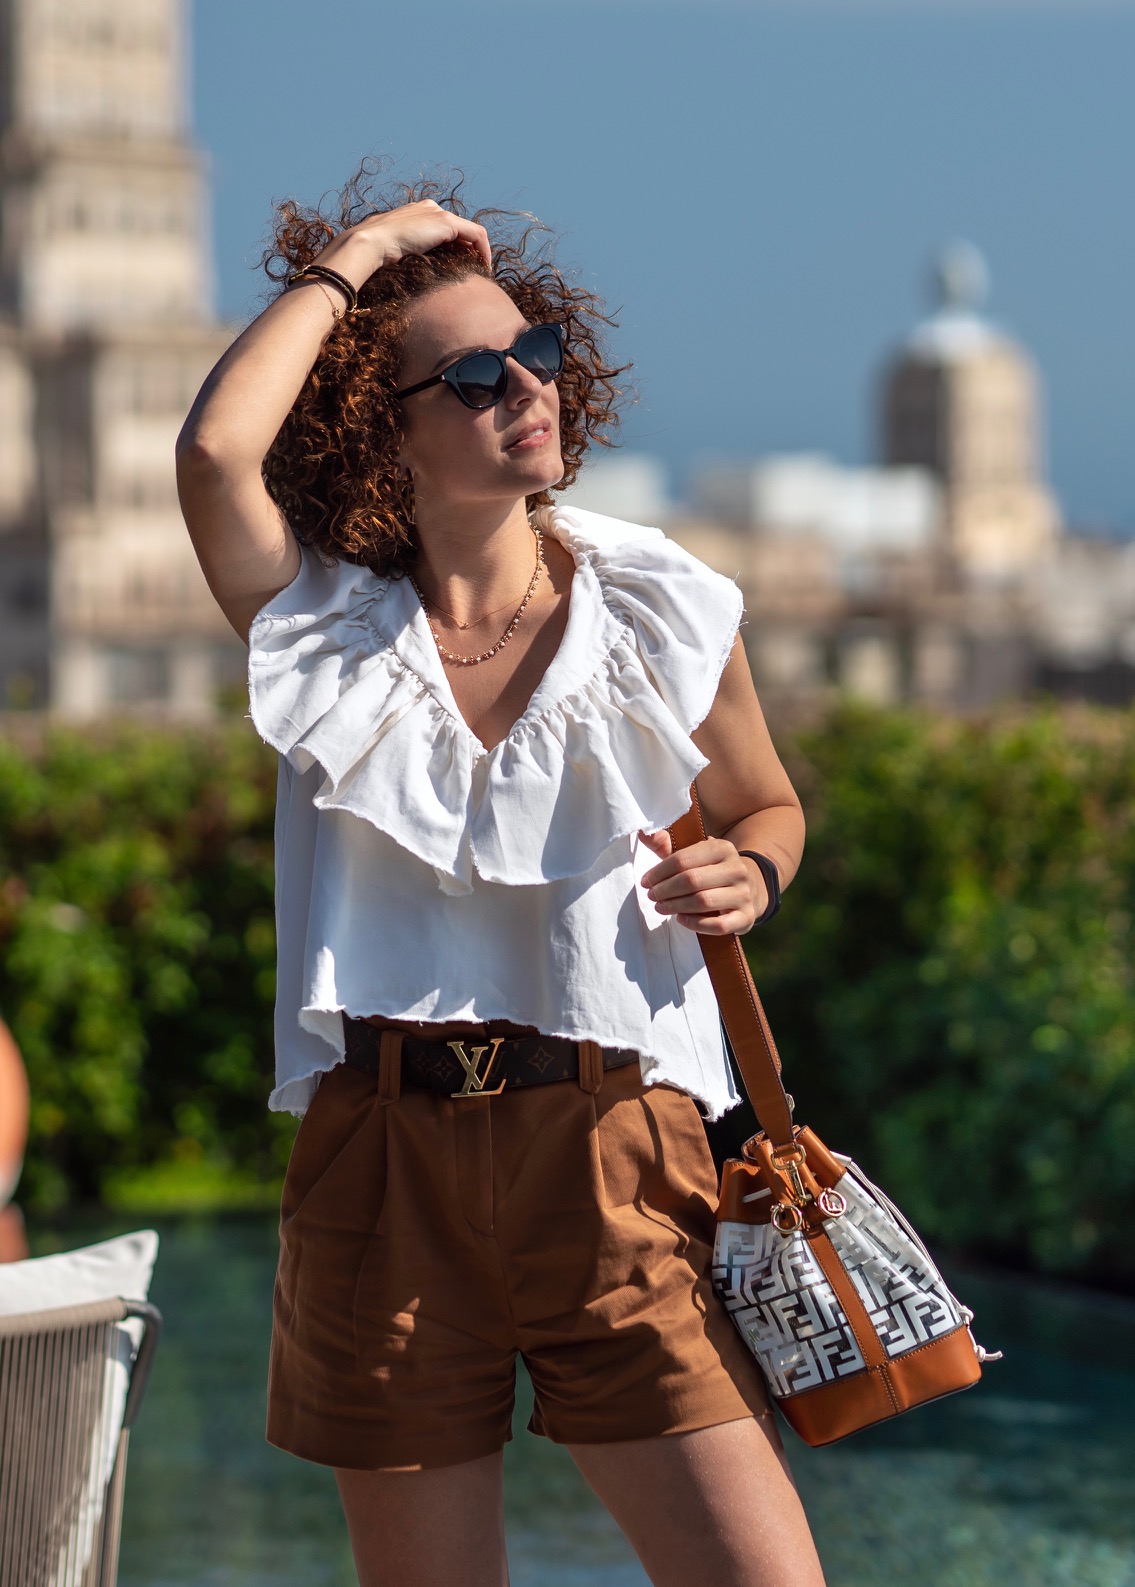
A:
{"points": [[1027, 1479]]}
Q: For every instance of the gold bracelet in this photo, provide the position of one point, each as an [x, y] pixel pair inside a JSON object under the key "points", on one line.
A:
{"points": [[336, 311], [314, 281], [325, 272]]}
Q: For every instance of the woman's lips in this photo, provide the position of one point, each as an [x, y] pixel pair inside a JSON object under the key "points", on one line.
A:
{"points": [[530, 440]]}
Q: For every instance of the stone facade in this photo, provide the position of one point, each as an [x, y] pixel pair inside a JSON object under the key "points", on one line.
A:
{"points": [[106, 333], [962, 400]]}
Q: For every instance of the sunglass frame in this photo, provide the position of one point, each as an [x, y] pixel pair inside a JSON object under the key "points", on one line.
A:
{"points": [[450, 377]]}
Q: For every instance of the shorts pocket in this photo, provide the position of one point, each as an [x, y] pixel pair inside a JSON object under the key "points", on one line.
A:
{"points": [[327, 1149], [686, 1147], [334, 1194], [652, 1153]]}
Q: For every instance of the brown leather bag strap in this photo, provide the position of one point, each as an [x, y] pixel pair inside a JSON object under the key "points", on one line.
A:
{"points": [[744, 1018]]}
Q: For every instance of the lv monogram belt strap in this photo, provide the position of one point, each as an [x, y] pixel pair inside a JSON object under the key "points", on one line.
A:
{"points": [[478, 1064]]}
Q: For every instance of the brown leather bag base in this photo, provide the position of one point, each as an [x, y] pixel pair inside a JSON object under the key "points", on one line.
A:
{"points": [[932, 1372]]}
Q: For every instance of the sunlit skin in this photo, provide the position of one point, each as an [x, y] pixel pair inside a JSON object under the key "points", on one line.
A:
{"points": [[473, 465], [471, 472], [715, 1505], [14, 1106], [14, 1109]]}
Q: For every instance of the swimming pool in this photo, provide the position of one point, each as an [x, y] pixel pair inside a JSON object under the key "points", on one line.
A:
{"points": [[1027, 1479]]}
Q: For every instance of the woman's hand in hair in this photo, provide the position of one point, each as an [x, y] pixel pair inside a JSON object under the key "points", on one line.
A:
{"points": [[385, 238], [707, 886], [247, 550]]}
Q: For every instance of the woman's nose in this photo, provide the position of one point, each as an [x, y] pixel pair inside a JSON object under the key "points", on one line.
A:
{"points": [[523, 385]]}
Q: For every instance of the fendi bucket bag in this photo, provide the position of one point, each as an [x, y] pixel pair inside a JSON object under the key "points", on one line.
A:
{"points": [[829, 1286]]}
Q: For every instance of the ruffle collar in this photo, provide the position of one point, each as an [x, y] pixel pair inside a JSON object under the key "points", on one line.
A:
{"points": [[344, 673]]}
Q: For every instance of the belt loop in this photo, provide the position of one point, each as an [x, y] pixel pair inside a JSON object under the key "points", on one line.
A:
{"points": [[590, 1065], [390, 1065]]}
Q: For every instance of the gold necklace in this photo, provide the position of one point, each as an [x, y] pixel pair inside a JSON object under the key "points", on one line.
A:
{"points": [[463, 626], [469, 661]]}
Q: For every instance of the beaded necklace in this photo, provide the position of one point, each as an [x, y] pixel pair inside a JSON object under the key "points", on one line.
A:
{"points": [[469, 661]]}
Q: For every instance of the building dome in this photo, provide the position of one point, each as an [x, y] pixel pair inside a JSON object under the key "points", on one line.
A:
{"points": [[956, 330], [960, 276]]}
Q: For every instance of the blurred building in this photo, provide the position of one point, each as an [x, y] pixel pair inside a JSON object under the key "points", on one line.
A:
{"points": [[962, 400], [628, 485], [942, 575], [106, 332]]}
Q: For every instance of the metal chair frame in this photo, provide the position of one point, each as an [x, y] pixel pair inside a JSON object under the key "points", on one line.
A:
{"points": [[77, 1340]]}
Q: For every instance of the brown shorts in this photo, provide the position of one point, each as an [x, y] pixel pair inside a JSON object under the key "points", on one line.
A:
{"points": [[425, 1241]]}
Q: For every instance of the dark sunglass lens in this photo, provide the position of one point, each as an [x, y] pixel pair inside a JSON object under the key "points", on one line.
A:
{"points": [[480, 380], [541, 352]]}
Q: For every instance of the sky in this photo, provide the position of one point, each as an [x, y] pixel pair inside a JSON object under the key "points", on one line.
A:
{"points": [[758, 188]]}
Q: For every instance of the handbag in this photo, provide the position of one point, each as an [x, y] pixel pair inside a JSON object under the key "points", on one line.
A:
{"points": [[830, 1288]]}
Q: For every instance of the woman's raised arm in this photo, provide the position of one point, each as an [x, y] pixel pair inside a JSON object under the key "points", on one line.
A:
{"points": [[245, 547]]}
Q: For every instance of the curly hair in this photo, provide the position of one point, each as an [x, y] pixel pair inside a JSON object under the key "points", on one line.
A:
{"points": [[331, 468]]}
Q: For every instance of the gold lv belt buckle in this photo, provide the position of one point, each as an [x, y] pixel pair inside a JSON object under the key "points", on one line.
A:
{"points": [[474, 1082]]}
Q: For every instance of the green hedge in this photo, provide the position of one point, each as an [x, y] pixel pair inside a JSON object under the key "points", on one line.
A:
{"points": [[950, 978], [137, 964]]}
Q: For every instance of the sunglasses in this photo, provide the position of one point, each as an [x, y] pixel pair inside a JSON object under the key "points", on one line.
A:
{"points": [[481, 379]]}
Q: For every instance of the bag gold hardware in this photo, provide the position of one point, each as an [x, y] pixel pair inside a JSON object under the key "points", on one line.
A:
{"points": [[832, 1203], [787, 1218]]}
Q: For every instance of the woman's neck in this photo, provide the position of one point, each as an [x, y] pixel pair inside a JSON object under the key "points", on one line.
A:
{"points": [[473, 559]]}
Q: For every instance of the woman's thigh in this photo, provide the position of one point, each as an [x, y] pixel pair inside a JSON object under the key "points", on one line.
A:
{"points": [[424, 1528], [715, 1507]]}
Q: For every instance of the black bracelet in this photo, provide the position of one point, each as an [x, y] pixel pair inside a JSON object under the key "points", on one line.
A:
{"points": [[325, 273], [772, 881]]}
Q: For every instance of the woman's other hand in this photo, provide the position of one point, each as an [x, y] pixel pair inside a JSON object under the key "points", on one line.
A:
{"points": [[708, 887]]}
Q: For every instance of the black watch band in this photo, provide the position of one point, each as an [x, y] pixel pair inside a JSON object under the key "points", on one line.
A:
{"points": [[772, 882]]}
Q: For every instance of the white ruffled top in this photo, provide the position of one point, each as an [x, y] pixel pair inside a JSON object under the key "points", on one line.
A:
{"points": [[423, 877]]}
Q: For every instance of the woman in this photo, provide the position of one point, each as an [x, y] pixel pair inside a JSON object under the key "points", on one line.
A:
{"points": [[492, 1009]]}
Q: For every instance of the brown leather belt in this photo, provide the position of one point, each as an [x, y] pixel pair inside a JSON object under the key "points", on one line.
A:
{"points": [[478, 1064]]}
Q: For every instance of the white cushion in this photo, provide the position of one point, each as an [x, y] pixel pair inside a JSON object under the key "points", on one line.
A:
{"points": [[70, 1278], [113, 1268]]}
